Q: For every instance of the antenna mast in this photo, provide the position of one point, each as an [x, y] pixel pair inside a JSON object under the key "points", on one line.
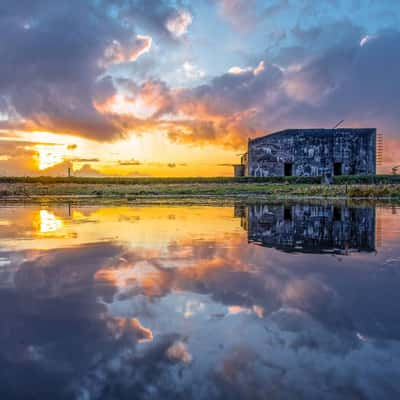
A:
{"points": [[338, 124]]}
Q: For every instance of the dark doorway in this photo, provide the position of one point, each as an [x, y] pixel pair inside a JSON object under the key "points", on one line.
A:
{"points": [[337, 168], [287, 213], [337, 214], [288, 169]]}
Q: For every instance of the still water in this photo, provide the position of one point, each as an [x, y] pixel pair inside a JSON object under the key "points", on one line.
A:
{"points": [[267, 301]]}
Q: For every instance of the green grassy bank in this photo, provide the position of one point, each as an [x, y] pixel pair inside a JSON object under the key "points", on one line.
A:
{"points": [[382, 186], [339, 180]]}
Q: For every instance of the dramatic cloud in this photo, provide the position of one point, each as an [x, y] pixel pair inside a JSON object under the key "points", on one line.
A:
{"points": [[88, 170], [115, 53], [191, 71], [343, 82], [53, 57], [241, 13], [145, 101], [129, 162], [48, 76], [245, 15], [366, 39], [354, 83], [178, 23]]}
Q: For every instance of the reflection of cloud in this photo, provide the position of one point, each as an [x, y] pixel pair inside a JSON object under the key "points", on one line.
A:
{"points": [[219, 272], [85, 309], [65, 328], [232, 310], [85, 160], [192, 308], [307, 294], [257, 310], [132, 326], [178, 352]]}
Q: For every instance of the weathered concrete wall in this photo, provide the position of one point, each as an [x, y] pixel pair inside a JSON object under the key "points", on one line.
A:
{"points": [[311, 228], [313, 152]]}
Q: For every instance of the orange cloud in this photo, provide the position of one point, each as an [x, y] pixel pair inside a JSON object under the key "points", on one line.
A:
{"points": [[122, 326]]}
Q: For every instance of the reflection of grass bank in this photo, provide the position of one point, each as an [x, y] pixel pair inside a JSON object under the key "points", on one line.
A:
{"points": [[29, 191]]}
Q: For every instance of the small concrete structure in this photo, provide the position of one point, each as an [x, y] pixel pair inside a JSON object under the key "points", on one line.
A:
{"points": [[311, 152]]}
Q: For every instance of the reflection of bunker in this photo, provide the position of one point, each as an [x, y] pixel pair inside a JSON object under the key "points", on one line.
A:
{"points": [[311, 228]]}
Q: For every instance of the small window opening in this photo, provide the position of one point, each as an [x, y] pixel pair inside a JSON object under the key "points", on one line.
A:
{"points": [[288, 169]]}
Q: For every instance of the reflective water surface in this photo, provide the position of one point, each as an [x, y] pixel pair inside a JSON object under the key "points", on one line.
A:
{"points": [[266, 301]]}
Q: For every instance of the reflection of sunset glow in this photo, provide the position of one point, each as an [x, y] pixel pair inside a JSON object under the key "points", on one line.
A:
{"points": [[184, 290], [49, 155], [255, 309], [149, 227], [49, 222], [155, 229], [142, 275]]}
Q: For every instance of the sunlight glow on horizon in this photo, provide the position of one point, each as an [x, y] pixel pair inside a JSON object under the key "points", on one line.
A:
{"points": [[152, 155], [49, 155]]}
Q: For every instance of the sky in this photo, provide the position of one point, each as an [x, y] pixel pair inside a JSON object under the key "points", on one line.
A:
{"points": [[176, 87]]}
